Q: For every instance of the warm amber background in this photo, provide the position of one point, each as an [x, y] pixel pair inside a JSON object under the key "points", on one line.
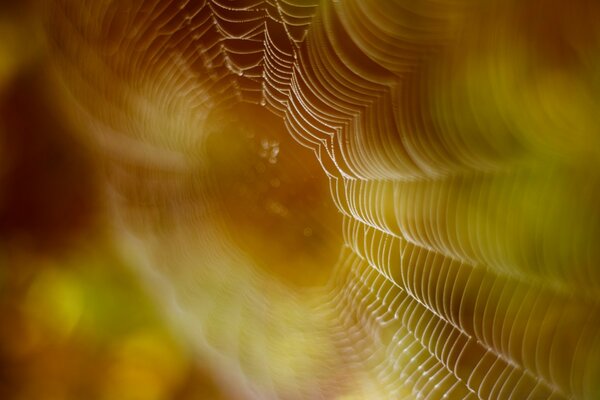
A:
{"points": [[476, 207], [74, 322]]}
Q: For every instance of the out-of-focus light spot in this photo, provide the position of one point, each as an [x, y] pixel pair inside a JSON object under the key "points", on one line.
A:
{"points": [[146, 366], [55, 300]]}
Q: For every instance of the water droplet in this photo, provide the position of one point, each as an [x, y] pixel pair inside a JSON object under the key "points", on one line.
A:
{"points": [[274, 149]]}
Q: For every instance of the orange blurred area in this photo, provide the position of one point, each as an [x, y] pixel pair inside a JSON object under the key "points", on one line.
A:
{"points": [[275, 194]]}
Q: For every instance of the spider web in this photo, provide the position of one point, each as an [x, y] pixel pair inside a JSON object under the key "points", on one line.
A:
{"points": [[469, 266]]}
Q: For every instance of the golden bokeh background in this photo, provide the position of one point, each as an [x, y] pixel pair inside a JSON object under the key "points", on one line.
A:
{"points": [[299, 199]]}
